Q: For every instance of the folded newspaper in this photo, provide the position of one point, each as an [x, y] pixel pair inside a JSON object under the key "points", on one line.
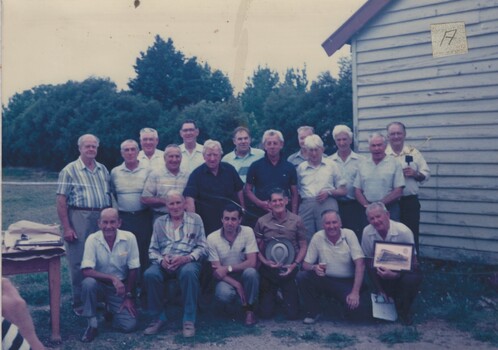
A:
{"points": [[26, 234]]}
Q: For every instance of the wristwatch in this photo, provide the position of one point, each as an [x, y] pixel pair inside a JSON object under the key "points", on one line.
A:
{"points": [[230, 268]]}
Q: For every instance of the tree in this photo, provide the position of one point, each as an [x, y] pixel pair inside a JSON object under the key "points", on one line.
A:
{"points": [[263, 82], [166, 75]]}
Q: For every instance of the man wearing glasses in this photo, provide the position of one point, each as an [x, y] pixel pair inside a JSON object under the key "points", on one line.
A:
{"points": [[191, 151]]}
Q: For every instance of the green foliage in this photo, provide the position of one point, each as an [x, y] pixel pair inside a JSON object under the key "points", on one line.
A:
{"points": [[400, 335]]}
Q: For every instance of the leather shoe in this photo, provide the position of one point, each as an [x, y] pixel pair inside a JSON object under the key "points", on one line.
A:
{"points": [[188, 329], [250, 318], [154, 327], [89, 335]]}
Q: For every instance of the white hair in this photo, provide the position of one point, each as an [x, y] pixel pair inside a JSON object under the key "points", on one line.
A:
{"points": [[272, 132], [313, 141], [338, 129], [211, 144]]}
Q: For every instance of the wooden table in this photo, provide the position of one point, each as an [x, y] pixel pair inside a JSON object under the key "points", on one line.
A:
{"points": [[35, 263]]}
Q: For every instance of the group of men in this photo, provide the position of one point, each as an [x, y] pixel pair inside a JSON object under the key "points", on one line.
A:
{"points": [[177, 210]]}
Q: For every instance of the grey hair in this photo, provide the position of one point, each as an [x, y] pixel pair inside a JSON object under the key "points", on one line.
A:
{"points": [[172, 145], [174, 193], [135, 144], [376, 205], [148, 131], [340, 129], [272, 132], [331, 211], [377, 134], [82, 137], [313, 141], [305, 128], [211, 144], [398, 124]]}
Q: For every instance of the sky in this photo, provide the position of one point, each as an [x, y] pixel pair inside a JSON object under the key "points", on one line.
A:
{"points": [[52, 41]]}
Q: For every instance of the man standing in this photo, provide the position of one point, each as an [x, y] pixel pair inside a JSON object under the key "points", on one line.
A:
{"points": [[191, 150], [334, 264], [177, 247], [271, 171], [401, 286], [211, 186], [127, 184], [320, 182], [83, 191], [300, 156], [233, 252], [162, 180], [110, 265], [277, 225], [415, 170], [150, 156], [380, 178], [348, 161]]}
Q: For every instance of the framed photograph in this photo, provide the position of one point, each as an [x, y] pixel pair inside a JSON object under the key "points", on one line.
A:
{"points": [[393, 256]]}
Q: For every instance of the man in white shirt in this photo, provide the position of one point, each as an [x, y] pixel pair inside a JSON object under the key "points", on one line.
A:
{"points": [[150, 156], [191, 151]]}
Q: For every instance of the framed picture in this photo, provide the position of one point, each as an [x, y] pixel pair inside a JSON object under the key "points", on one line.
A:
{"points": [[393, 256]]}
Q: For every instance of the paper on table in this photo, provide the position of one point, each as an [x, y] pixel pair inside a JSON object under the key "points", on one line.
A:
{"points": [[383, 309]]}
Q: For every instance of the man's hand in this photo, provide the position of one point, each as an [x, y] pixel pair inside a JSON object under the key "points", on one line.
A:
{"points": [[353, 300], [274, 265], [220, 272], [119, 286], [409, 172], [322, 196], [288, 269], [178, 261], [319, 270], [387, 274], [240, 292], [70, 235], [129, 305], [264, 205]]}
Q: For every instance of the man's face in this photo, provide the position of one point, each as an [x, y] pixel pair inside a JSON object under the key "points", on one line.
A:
{"points": [[377, 148], [175, 205], [301, 136], [88, 148], [212, 157], [129, 152], [189, 133], [379, 219], [273, 145], [109, 222], [149, 142], [343, 141], [332, 225], [314, 154], [396, 135], [278, 203], [231, 221], [172, 159], [242, 142]]}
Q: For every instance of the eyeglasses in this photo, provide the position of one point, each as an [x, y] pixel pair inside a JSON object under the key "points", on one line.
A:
{"points": [[188, 130]]}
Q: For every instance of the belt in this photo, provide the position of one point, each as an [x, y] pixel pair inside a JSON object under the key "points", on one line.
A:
{"points": [[87, 209], [137, 212]]}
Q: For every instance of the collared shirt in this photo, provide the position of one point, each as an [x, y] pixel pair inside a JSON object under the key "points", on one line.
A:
{"points": [[296, 158], [325, 176], [339, 257], [83, 187], [154, 162], [160, 182], [191, 239], [190, 161], [398, 233], [291, 227], [349, 170], [220, 249], [419, 164], [378, 180], [127, 186], [242, 164], [116, 262]]}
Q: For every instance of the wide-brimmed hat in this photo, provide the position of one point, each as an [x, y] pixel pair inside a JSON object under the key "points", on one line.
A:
{"points": [[280, 250]]}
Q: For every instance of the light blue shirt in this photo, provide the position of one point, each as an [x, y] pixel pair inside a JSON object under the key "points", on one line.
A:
{"points": [[160, 182], [190, 161], [398, 233], [242, 164], [325, 176], [127, 186], [155, 162], [349, 170]]}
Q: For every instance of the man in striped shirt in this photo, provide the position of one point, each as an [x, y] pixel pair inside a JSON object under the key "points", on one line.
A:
{"points": [[83, 191]]}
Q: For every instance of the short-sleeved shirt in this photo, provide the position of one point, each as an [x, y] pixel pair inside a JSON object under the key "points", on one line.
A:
{"points": [[311, 179], [296, 158], [85, 188], [117, 262], [378, 180], [264, 177], [339, 257], [190, 161], [188, 239], [418, 163], [349, 170], [160, 182], [268, 227], [127, 186], [154, 162], [398, 233], [232, 253], [242, 164], [212, 192]]}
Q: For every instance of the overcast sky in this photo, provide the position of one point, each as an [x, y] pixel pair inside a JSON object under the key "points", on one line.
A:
{"points": [[52, 41]]}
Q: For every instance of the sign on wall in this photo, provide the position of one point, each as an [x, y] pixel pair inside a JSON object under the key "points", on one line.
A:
{"points": [[448, 39]]}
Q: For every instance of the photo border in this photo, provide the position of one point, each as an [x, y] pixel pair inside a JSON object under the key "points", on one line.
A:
{"points": [[378, 245]]}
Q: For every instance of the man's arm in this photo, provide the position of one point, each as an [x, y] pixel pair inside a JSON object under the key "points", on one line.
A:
{"points": [[190, 204], [303, 246], [294, 198], [360, 197], [153, 202], [392, 196], [128, 303], [231, 281], [104, 277], [62, 212], [220, 271], [353, 298], [240, 196], [248, 190]]}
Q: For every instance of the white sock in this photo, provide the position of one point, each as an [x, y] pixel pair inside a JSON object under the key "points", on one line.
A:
{"points": [[92, 322]]}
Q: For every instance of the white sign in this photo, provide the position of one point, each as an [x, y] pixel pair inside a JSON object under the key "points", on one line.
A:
{"points": [[448, 39]]}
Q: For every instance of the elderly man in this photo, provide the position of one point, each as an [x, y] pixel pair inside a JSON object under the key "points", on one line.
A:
{"points": [[233, 253], [177, 247], [211, 186], [277, 225], [348, 161], [334, 264], [161, 181], [320, 182], [380, 178], [300, 156], [401, 286], [110, 265], [271, 171], [415, 170], [150, 156], [127, 184], [191, 151], [83, 191]]}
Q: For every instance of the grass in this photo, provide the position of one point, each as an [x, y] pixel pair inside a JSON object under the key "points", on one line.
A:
{"points": [[401, 335]]}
